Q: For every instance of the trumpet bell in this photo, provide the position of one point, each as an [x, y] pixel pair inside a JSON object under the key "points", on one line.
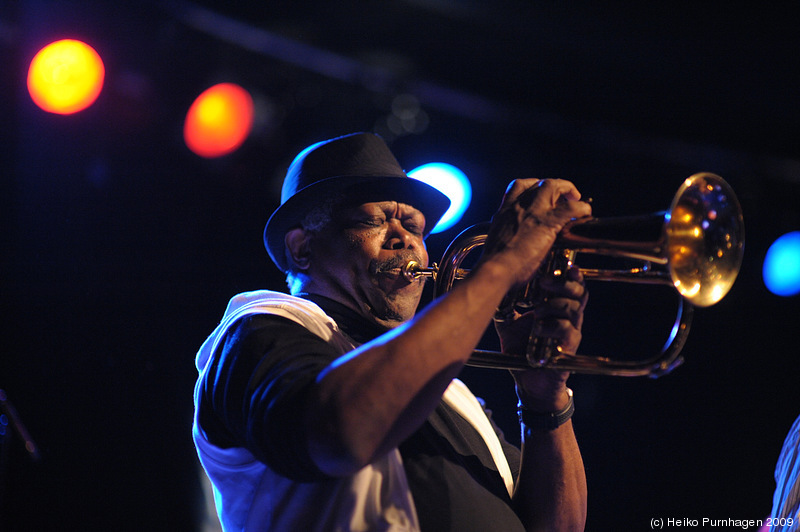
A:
{"points": [[704, 232]]}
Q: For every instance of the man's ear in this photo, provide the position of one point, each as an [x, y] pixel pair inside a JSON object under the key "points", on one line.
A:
{"points": [[298, 247]]}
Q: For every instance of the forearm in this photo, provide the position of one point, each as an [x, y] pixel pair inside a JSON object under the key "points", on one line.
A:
{"points": [[370, 400], [550, 492]]}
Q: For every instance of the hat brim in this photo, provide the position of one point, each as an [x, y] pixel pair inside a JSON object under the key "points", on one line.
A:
{"points": [[419, 195]]}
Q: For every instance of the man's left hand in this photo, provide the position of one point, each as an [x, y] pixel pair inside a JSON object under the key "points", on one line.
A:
{"points": [[557, 314]]}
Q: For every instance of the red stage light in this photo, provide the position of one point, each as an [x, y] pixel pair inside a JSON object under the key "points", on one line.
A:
{"points": [[219, 120], [65, 77]]}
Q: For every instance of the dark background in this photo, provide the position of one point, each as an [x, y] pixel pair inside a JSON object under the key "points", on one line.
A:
{"points": [[120, 248]]}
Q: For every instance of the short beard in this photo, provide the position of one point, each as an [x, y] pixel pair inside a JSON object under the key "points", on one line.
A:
{"points": [[389, 313]]}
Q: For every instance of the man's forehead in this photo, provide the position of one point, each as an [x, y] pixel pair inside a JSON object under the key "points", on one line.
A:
{"points": [[386, 206]]}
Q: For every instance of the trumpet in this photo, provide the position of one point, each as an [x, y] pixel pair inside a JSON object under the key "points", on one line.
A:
{"points": [[698, 251]]}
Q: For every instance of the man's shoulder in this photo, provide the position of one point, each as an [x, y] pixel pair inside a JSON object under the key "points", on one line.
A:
{"points": [[297, 309], [266, 301]]}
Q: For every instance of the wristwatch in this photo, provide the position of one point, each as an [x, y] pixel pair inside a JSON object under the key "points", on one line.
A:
{"points": [[549, 420]]}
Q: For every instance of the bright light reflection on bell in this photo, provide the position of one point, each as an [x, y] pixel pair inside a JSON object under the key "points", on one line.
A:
{"points": [[450, 181], [717, 292], [690, 292]]}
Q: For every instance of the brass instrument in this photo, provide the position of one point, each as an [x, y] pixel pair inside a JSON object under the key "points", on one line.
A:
{"points": [[698, 250]]}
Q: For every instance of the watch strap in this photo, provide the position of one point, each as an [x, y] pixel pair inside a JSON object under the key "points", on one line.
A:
{"points": [[547, 420]]}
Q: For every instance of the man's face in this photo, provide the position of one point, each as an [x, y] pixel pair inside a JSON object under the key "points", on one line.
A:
{"points": [[357, 260]]}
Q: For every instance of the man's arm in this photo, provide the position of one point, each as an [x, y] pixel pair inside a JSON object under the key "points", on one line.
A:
{"points": [[550, 492]]}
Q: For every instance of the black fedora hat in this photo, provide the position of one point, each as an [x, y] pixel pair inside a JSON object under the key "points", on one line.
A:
{"points": [[359, 167]]}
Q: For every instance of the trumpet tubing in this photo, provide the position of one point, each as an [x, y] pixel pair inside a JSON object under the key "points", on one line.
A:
{"points": [[698, 251]]}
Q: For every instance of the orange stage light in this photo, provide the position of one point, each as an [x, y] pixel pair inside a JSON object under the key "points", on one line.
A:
{"points": [[219, 120], [65, 77]]}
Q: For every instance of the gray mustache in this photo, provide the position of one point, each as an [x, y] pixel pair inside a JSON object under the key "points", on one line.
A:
{"points": [[396, 261]]}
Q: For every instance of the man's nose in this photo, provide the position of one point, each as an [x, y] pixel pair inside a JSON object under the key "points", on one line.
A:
{"points": [[399, 237]]}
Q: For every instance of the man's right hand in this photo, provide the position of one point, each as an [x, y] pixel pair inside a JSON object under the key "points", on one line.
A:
{"points": [[528, 221]]}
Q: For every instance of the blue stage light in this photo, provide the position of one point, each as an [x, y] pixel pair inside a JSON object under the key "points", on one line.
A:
{"points": [[782, 265], [450, 181]]}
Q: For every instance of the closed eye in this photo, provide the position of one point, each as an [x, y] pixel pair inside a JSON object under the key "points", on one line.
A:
{"points": [[413, 228], [372, 221]]}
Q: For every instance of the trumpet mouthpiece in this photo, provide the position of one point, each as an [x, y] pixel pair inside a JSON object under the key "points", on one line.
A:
{"points": [[413, 271]]}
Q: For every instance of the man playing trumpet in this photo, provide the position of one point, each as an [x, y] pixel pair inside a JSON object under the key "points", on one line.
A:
{"points": [[337, 407]]}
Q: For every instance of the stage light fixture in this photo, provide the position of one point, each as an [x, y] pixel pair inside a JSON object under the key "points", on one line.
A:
{"points": [[781, 269], [219, 120], [65, 77], [453, 183]]}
